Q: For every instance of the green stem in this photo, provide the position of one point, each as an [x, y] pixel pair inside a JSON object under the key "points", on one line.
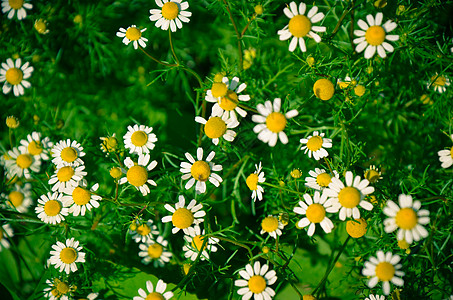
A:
{"points": [[238, 34], [281, 188], [172, 48], [236, 243], [156, 60]]}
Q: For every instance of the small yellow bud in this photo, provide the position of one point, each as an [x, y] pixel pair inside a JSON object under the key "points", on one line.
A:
{"points": [[186, 268], [219, 76], [133, 226], [403, 244], [369, 69], [115, 172], [36, 119], [310, 61], [400, 9], [296, 173], [12, 122], [360, 90], [41, 26], [265, 249], [281, 183], [259, 9], [78, 19]]}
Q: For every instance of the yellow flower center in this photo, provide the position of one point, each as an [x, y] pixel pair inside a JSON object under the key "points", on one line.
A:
{"points": [[440, 80], [375, 35], [143, 230], [182, 218], [215, 127], [385, 271], [316, 213], [308, 297], [110, 144], [259, 9], [115, 172], [359, 90], [269, 224], [218, 79], [14, 76], [197, 243], [68, 255], [40, 26], [155, 250], [314, 143], [16, 4], [155, 295], [403, 244], [323, 179], [62, 287], [299, 26], [69, 154], [257, 284], [406, 218], [200, 170], [81, 196], [356, 228], [276, 122], [372, 175], [170, 10], [24, 161], [133, 34], [65, 173], [252, 182], [230, 101], [219, 89], [323, 89], [137, 175], [52, 208], [35, 148], [16, 198], [12, 122], [349, 197], [451, 152], [139, 138]]}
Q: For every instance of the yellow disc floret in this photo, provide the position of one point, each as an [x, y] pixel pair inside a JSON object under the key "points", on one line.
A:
{"points": [[259, 9], [81, 196], [269, 224], [68, 255], [219, 89], [229, 102], [215, 127], [200, 170], [155, 250], [257, 284], [16, 198], [406, 218], [170, 10], [356, 228], [115, 172], [40, 26], [316, 213], [385, 271], [323, 89], [16, 4], [69, 154], [375, 35], [137, 175], [359, 90], [133, 34], [403, 244], [276, 122], [296, 173], [308, 297], [314, 143], [139, 138], [24, 161], [439, 80], [143, 230], [182, 218], [155, 295], [252, 182], [14, 76], [65, 173], [299, 26], [323, 179], [62, 287], [197, 243], [12, 122], [35, 148], [52, 208], [349, 197], [372, 175]]}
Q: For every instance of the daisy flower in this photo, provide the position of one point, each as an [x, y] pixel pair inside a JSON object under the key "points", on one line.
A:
{"points": [[315, 145], [143, 232], [80, 199], [51, 208], [132, 34], [373, 36], [109, 144], [256, 281], [446, 157], [301, 26], [372, 174], [139, 139], [13, 6], [315, 212], [195, 242], [439, 83], [226, 96], [137, 174], [200, 171], [58, 290], [21, 163], [6, 231], [375, 297], [408, 218], [14, 75], [349, 196], [252, 183], [67, 153], [37, 146], [19, 197], [155, 251], [346, 83], [158, 293], [67, 177], [217, 127], [66, 256], [383, 268], [272, 122], [319, 179], [171, 14], [272, 226], [184, 217]]}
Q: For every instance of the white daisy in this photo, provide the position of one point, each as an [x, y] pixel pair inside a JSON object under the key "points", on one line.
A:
{"points": [[14, 75], [315, 212], [58, 289], [408, 218], [19, 198], [195, 242], [139, 139], [252, 183], [51, 208], [256, 282], [6, 231], [158, 293], [134, 35], [315, 145], [143, 232], [155, 251], [171, 14], [80, 199], [375, 297], [271, 225], [319, 179], [383, 268], [226, 96], [36, 145], [200, 171], [446, 157], [109, 144], [439, 83], [217, 127], [67, 153], [13, 6], [373, 36], [137, 174], [67, 177], [272, 122], [184, 217], [349, 196], [301, 26], [21, 164], [66, 256]]}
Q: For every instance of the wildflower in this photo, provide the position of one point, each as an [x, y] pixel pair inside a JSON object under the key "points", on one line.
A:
{"points": [[41, 26], [139, 139], [80, 199], [319, 179], [272, 226], [346, 83], [171, 14], [446, 157], [259, 9], [315, 212], [109, 144], [51, 208], [356, 228], [13, 6], [12, 122], [66, 256], [200, 171], [315, 145], [359, 90], [375, 297], [324, 89], [14, 75], [19, 198], [137, 174], [272, 122], [296, 173], [195, 242], [309, 297], [6, 231], [21, 163], [438, 82], [58, 289], [385, 268], [256, 282], [143, 232], [184, 217], [350, 196], [132, 34], [116, 172], [154, 250], [372, 174], [158, 293], [67, 177], [373, 36], [67, 153], [408, 218], [249, 57], [217, 127], [403, 244], [301, 26], [252, 183], [37, 146]]}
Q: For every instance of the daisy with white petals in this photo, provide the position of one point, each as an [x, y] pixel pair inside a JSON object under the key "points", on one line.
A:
{"points": [[319, 179], [438, 83], [21, 163], [373, 36], [137, 174], [272, 122], [58, 289], [139, 139], [51, 208], [272, 226], [19, 198], [184, 217], [315, 145], [80, 199], [13, 6], [171, 14], [67, 177], [158, 293], [446, 156], [375, 297], [256, 281], [14, 75], [36, 145], [217, 127], [155, 251], [67, 153], [385, 268], [253, 180], [301, 26], [143, 232], [195, 242], [65, 256], [134, 35]]}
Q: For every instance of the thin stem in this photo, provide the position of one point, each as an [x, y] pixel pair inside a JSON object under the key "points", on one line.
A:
{"points": [[236, 243], [156, 60], [172, 48], [328, 165], [281, 188], [238, 34], [11, 137]]}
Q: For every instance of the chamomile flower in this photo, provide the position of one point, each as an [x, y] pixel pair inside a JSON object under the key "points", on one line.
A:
{"points": [[346, 83], [132, 34], [158, 293], [155, 251], [51, 208], [36, 145], [6, 231], [184, 217], [21, 163], [272, 226], [65, 256], [375, 297], [373, 36], [256, 281], [349, 196], [195, 242], [14, 75], [171, 14], [226, 96], [217, 127], [446, 157], [58, 289], [67, 177], [301, 26], [319, 179], [438, 83], [372, 174], [80, 199], [408, 218], [67, 153], [385, 268], [109, 144], [13, 6], [315, 145], [253, 180], [315, 212], [19, 198], [137, 174], [272, 122], [139, 139], [143, 232], [200, 171]]}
